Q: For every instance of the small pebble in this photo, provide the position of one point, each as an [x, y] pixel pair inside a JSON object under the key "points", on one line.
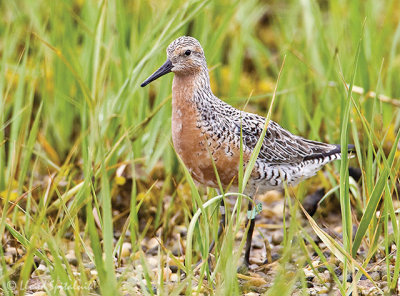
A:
{"points": [[278, 209], [153, 251], [152, 261], [312, 291], [68, 235], [89, 265], [374, 275], [166, 272], [176, 251], [174, 277], [126, 250], [338, 229], [310, 278], [41, 269], [338, 271], [11, 251], [327, 254], [154, 287], [316, 263], [258, 244], [9, 259], [152, 243], [316, 279], [323, 290], [373, 291], [309, 275], [71, 258], [181, 229], [376, 268], [37, 260], [40, 293], [270, 196], [325, 276], [363, 277], [277, 238], [173, 268], [349, 278], [275, 257]]}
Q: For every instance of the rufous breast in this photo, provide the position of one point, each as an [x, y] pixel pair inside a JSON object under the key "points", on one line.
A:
{"points": [[196, 147]]}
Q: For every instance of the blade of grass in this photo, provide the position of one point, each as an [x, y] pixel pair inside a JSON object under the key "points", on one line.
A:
{"points": [[256, 150]]}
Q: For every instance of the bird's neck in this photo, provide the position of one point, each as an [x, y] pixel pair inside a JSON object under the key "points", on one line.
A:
{"points": [[192, 90]]}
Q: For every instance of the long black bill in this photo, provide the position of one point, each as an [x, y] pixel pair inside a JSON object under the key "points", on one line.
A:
{"points": [[164, 69]]}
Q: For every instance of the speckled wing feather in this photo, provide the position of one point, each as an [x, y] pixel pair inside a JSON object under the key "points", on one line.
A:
{"points": [[279, 145]]}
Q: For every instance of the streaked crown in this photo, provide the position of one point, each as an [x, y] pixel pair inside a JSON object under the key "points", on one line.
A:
{"points": [[186, 55]]}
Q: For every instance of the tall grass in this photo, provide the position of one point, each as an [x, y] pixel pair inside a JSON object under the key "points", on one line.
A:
{"points": [[72, 112]]}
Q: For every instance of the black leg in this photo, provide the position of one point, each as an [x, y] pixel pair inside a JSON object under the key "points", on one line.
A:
{"points": [[220, 230], [221, 224], [249, 236]]}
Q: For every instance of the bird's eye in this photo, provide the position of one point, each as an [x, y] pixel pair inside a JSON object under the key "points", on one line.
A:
{"points": [[188, 52]]}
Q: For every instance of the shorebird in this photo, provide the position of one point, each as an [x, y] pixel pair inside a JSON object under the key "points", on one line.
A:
{"points": [[206, 132]]}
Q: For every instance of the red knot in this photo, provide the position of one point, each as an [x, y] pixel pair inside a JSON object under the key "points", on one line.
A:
{"points": [[206, 132]]}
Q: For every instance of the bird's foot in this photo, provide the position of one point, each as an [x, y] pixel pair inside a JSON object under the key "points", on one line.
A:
{"points": [[244, 267]]}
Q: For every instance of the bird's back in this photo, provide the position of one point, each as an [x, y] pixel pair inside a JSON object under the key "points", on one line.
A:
{"points": [[283, 157]]}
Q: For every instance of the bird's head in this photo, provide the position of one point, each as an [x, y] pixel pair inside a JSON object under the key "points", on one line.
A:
{"points": [[184, 57]]}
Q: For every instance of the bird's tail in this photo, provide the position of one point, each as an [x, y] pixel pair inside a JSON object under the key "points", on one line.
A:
{"points": [[350, 148], [332, 154]]}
